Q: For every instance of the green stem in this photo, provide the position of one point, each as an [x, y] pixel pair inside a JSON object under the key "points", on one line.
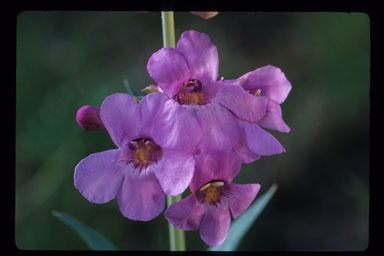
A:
{"points": [[176, 236]]}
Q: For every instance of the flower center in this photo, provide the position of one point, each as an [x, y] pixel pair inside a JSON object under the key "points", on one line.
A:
{"points": [[211, 192], [190, 93], [142, 152]]}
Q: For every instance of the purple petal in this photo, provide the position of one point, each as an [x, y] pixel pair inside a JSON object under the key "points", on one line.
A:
{"points": [[185, 214], [273, 118], [270, 80], [260, 141], [201, 55], [119, 115], [174, 171], [215, 225], [219, 128], [176, 128], [229, 165], [242, 104], [98, 176], [243, 152], [217, 166], [169, 69], [141, 197], [242, 196], [88, 117], [205, 168], [148, 108]]}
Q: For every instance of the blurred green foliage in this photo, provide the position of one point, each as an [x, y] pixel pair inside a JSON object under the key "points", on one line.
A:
{"points": [[67, 59]]}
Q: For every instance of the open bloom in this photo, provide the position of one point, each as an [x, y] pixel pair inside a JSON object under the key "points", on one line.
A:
{"points": [[187, 76], [141, 170], [214, 198], [266, 82]]}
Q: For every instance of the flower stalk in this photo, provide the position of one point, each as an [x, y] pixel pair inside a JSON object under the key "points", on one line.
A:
{"points": [[176, 236]]}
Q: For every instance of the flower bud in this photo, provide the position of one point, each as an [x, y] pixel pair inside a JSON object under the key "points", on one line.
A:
{"points": [[205, 15], [88, 117]]}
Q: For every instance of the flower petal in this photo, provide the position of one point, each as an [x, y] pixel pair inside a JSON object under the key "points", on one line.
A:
{"points": [[260, 141], [244, 105], [148, 108], [201, 55], [273, 118], [141, 197], [120, 118], [98, 176], [243, 152], [219, 128], [205, 168], [169, 69], [217, 166], [174, 171], [176, 128], [215, 226], [228, 164], [185, 214], [242, 196], [270, 80]]}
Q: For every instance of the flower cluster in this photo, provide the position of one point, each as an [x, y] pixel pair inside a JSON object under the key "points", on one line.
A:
{"points": [[193, 130]]}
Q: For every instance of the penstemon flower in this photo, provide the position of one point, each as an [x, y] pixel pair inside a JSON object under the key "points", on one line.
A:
{"points": [[267, 82], [142, 170], [188, 77], [214, 198]]}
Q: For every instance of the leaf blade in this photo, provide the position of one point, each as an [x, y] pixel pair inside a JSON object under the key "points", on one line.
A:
{"points": [[241, 225], [94, 239]]}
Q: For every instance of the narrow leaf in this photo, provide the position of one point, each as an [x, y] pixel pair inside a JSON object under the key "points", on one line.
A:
{"points": [[93, 238], [241, 225], [131, 90]]}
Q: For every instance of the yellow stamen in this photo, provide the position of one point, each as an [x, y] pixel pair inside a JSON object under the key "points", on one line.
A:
{"points": [[217, 183], [205, 186], [257, 93]]}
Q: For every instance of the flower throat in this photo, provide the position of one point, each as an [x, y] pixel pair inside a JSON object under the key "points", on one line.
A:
{"points": [[190, 93]]}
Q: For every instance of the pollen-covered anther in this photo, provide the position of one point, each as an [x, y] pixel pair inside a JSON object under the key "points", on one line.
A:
{"points": [[257, 93], [217, 183], [205, 186]]}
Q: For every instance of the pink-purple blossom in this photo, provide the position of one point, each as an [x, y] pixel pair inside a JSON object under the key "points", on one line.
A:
{"points": [[214, 198], [141, 170], [267, 82], [187, 75], [225, 111]]}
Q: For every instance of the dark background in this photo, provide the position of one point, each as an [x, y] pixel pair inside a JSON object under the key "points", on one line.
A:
{"points": [[67, 59]]}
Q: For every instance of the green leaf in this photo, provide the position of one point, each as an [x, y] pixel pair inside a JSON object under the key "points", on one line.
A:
{"points": [[131, 90], [93, 238], [241, 225]]}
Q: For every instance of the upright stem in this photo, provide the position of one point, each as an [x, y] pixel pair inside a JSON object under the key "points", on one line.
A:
{"points": [[176, 236]]}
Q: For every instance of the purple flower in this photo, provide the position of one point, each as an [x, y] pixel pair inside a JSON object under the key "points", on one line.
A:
{"points": [[214, 198], [141, 170], [88, 117], [271, 83], [187, 76], [267, 82]]}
